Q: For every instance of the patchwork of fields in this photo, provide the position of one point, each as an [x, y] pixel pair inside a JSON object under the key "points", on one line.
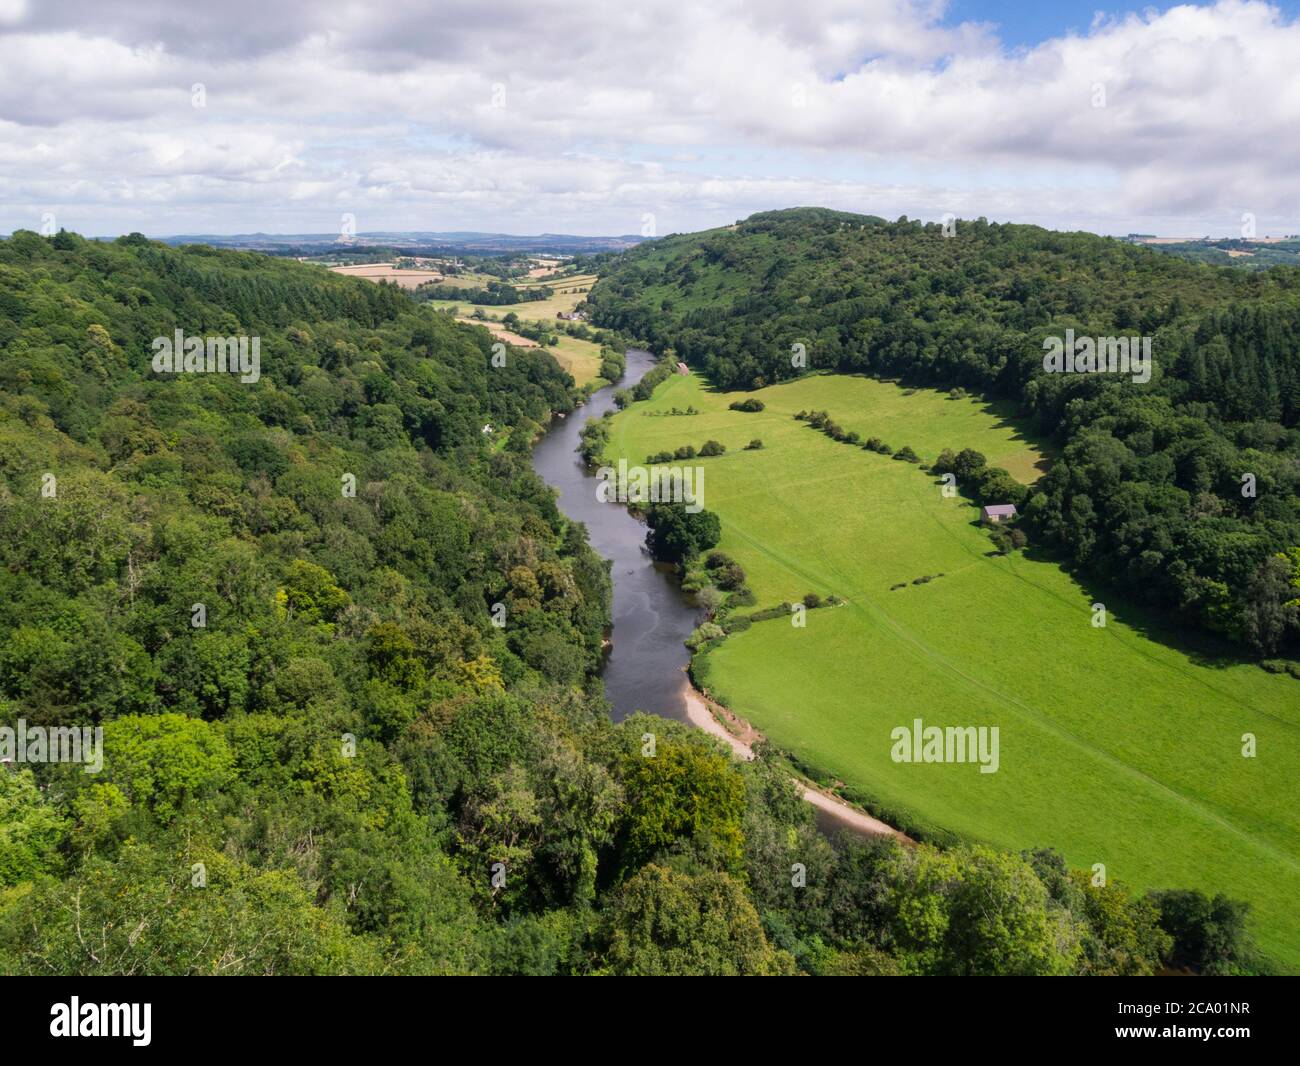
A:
{"points": [[580, 358], [1116, 746]]}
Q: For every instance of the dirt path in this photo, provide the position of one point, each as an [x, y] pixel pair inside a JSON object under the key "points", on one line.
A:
{"points": [[704, 714]]}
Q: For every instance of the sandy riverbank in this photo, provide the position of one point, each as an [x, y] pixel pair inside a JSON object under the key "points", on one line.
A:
{"points": [[705, 714]]}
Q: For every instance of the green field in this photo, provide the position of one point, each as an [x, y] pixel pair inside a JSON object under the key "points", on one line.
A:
{"points": [[1118, 745], [580, 358]]}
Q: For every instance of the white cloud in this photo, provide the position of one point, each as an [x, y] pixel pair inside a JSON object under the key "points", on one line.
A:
{"points": [[699, 114]]}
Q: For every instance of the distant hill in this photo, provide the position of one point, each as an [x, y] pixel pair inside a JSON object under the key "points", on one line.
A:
{"points": [[1234, 252], [412, 241]]}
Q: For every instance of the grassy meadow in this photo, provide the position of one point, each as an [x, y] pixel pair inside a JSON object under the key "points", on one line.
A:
{"points": [[1118, 745]]}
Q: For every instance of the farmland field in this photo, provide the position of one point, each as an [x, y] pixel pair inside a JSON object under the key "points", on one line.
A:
{"points": [[377, 272], [563, 299], [580, 358], [1118, 745]]}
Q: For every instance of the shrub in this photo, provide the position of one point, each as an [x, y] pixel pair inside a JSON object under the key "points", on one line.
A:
{"points": [[742, 597], [1006, 540], [712, 447], [702, 635], [751, 404], [729, 577], [812, 600], [709, 599], [754, 445]]}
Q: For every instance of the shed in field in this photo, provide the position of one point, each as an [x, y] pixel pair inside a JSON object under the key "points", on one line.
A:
{"points": [[996, 512]]}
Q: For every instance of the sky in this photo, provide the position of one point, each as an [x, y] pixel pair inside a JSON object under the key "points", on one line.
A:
{"points": [[650, 117]]}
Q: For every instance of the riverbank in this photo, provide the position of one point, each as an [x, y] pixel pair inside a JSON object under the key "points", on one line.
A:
{"points": [[740, 736]]}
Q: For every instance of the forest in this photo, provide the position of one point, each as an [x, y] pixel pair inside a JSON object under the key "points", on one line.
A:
{"points": [[381, 746], [1182, 490]]}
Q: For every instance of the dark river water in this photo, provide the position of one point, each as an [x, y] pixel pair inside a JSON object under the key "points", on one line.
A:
{"points": [[651, 615]]}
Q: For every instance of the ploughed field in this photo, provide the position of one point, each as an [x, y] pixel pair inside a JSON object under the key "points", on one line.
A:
{"points": [[1119, 745]]}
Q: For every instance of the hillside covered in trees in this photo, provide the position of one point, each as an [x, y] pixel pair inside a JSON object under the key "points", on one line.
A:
{"points": [[345, 651], [1182, 489]]}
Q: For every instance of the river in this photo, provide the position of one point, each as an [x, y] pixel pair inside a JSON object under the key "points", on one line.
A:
{"points": [[652, 617]]}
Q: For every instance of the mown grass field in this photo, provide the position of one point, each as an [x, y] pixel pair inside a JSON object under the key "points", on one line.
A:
{"points": [[1118, 745]]}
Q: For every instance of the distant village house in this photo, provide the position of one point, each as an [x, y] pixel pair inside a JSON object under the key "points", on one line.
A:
{"points": [[682, 368]]}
